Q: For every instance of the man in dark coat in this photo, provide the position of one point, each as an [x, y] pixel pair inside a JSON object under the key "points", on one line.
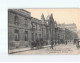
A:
{"points": [[52, 43], [66, 42], [32, 45], [37, 43]]}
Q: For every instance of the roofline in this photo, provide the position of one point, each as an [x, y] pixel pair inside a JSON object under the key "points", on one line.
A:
{"points": [[25, 10], [12, 10]]}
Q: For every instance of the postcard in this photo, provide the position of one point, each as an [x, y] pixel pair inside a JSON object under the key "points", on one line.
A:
{"points": [[46, 31]]}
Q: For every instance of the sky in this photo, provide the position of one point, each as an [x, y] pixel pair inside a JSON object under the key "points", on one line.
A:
{"points": [[67, 16]]}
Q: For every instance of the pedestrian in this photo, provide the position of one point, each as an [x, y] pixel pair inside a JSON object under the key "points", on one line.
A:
{"points": [[32, 46], [52, 43], [66, 42], [37, 43]]}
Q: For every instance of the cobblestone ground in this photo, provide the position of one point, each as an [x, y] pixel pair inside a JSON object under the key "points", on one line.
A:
{"points": [[70, 48]]}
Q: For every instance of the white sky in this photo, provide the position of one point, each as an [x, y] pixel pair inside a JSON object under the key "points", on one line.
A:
{"points": [[66, 16]]}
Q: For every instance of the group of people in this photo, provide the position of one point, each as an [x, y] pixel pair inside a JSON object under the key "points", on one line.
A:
{"points": [[38, 44]]}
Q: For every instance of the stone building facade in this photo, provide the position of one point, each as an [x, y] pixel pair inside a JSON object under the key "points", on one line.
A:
{"points": [[18, 28], [23, 29], [70, 31]]}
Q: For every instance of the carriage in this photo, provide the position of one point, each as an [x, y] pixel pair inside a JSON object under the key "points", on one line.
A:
{"points": [[37, 44]]}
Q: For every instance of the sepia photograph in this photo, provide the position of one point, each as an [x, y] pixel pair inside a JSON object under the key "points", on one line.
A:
{"points": [[46, 31]]}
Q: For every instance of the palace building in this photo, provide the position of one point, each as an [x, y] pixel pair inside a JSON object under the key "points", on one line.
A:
{"points": [[23, 29]]}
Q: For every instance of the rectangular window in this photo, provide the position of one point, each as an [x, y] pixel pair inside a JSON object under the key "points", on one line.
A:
{"points": [[33, 26], [26, 35], [26, 22], [40, 27], [36, 36], [16, 35], [16, 20], [32, 37], [40, 36], [47, 36], [36, 26]]}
